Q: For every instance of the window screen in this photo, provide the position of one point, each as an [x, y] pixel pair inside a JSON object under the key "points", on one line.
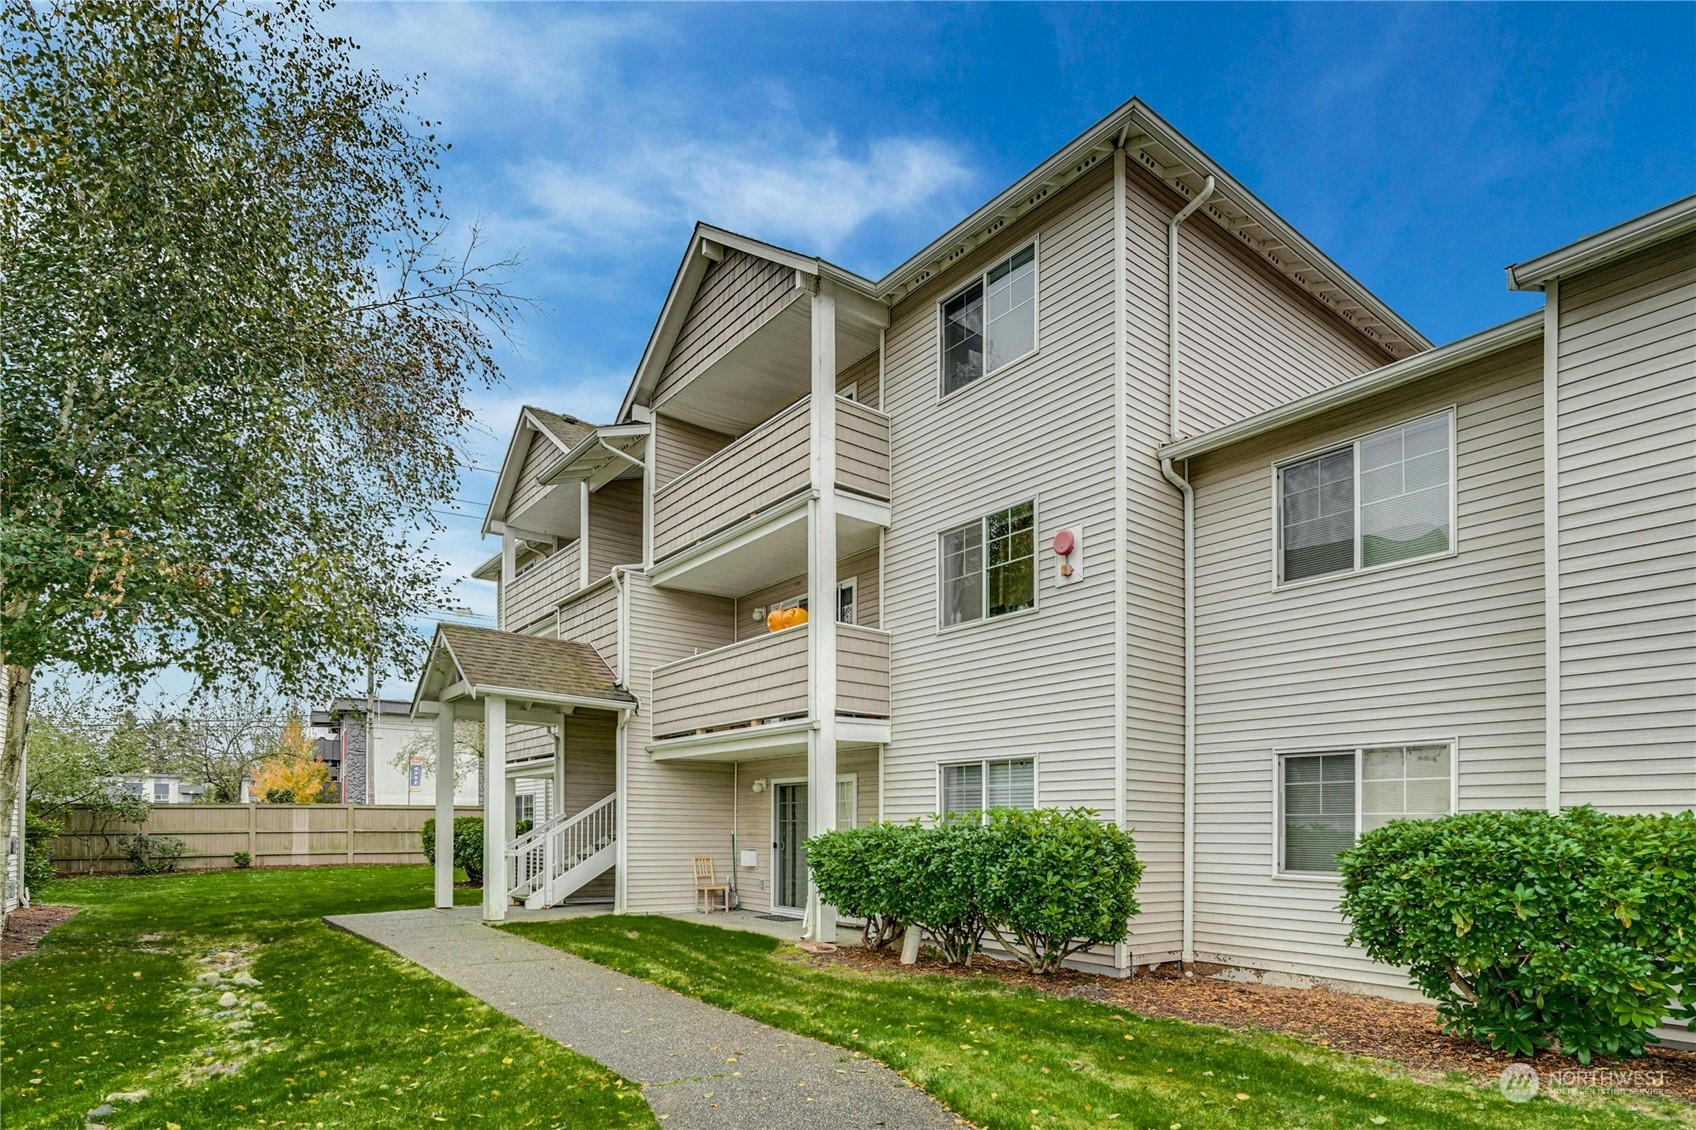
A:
{"points": [[1318, 515], [962, 339], [1011, 566], [962, 574], [1400, 781], [1010, 784], [1318, 810], [1404, 492], [962, 788]]}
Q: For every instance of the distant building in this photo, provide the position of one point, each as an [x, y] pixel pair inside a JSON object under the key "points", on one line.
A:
{"points": [[397, 769]]}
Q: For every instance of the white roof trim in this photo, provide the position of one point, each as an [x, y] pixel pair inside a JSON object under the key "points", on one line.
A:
{"points": [[513, 461], [1662, 224], [1417, 367], [1141, 127]]}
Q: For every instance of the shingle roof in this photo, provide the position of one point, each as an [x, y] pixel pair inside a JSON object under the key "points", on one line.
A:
{"points": [[569, 430], [554, 668]]}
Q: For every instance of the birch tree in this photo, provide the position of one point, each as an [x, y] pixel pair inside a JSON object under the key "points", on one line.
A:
{"points": [[237, 341]]}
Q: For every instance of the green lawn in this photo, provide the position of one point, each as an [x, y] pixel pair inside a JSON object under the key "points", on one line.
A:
{"points": [[350, 1037], [1004, 1058]]}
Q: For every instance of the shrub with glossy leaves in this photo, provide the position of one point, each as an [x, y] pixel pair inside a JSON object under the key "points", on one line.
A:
{"points": [[1057, 882], [1570, 931], [1047, 883]]}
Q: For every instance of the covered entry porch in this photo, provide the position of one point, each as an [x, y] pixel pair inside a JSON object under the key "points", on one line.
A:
{"points": [[772, 785], [506, 683]]}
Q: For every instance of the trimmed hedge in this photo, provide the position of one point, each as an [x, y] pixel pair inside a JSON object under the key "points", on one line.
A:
{"points": [[1046, 883], [1569, 931], [467, 844]]}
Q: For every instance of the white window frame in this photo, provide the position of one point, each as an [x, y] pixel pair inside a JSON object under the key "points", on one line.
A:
{"points": [[1357, 749], [1357, 569], [852, 585], [850, 392], [1036, 572], [984, 763], [982, 279]]}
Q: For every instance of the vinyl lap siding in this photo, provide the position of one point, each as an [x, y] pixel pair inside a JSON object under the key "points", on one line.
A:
{"points": [[1039, 682], [590, 775], [1627, 381], [671, 811], [532, 595], [678, 446], [615, 527], [539, 458], [1450, 648], [737, 296], [592, 617]]}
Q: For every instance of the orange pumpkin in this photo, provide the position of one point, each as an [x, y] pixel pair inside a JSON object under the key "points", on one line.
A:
{"points": [[774, 620], [800, 616]]}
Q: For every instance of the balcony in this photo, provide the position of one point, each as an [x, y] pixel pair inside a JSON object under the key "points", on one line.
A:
{"points": [[761, 681], [737, 520], [535, 592]]}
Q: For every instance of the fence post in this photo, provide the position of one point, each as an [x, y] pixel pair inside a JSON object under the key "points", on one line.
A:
{"points": [[253, 832], [350, 833]]}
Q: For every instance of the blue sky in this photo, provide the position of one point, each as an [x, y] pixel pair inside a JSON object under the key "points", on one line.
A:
{"points": [[1423, 147]]}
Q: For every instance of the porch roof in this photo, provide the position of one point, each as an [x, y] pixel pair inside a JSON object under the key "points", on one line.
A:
{"points": [[469, 662]]}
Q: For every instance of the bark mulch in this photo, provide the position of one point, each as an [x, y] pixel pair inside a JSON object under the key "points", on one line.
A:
{"points": [[1401, 1032], [26, 925]]}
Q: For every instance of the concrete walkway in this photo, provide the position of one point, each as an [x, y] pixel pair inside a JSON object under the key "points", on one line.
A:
{"points": [[698, 1066]]}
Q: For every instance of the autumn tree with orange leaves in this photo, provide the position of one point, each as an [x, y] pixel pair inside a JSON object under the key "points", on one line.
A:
{"points": [[292, 773]]}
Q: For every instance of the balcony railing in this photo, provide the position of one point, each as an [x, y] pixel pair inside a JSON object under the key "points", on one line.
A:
{"points": [[764, 679], [766, 466], [534, 592]]}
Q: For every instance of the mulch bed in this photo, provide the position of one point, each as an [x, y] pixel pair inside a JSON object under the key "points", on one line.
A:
{"points": [[26, 925], [1401, 1032]]}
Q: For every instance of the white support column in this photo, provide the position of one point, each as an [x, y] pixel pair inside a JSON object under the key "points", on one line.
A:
{"points": [[821, 595], [558, 804], [583, 534], [509, 569], [510, 832], [496, 882], [444, 806]]}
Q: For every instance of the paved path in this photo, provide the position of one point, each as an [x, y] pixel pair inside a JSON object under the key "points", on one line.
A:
{"points": [[699, 1066]]}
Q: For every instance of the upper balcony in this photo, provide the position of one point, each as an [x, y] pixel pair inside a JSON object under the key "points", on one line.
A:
{"points": [[737, 520], [538, 588], [760, 683]]}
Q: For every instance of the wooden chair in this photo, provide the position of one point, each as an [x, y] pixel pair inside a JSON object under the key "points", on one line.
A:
{"points": [[706, 882]]}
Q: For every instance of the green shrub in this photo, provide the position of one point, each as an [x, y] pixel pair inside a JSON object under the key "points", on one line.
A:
{"points": [[279, 796], [1047, 883], [1054, 883], [1569, 931], [860, 873], [244, 860], [153, 855], [39, 832], [467, 844]]}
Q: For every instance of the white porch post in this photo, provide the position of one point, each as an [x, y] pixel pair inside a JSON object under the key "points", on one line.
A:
{"points": [[496, 882], [444, 805], [511, 830], [558, 805], [821, 595]]}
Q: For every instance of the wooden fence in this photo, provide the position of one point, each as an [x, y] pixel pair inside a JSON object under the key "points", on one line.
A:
{"points": [[275, 835]]}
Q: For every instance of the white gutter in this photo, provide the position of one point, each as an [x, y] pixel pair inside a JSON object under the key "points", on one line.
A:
{"points": [[1551, 547], [1188, 493], [1172, 386], [1174, 379]]}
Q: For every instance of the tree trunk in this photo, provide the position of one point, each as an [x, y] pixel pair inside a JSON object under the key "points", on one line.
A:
{"points": [[19, 680]]}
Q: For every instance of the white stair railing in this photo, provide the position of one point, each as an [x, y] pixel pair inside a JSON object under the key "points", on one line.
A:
{"points": [[557, 845]]}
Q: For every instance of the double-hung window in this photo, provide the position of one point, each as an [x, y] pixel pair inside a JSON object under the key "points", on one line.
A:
{"points": [[991, 322], [975, 786], [1377, 500], [989, 566], [1327, 799]]}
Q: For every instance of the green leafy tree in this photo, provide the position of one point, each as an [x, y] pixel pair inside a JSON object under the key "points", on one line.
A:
{"points": [[80, 744], [218, 744], [235, 349]]}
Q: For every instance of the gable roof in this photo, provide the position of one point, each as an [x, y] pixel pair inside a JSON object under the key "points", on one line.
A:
{"points": [[564, 432], [1153, 144], [484, 661], [1421, 365], [1664, 223]]}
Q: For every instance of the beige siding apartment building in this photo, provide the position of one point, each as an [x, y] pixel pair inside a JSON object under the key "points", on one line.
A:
{"points": [[1122, 495]]}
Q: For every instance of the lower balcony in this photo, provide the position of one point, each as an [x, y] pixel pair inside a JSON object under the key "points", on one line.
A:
{"points": [[757, 690]]}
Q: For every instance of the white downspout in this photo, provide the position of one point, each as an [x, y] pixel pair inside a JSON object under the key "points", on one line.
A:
{"points": [[1175, 394]]}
